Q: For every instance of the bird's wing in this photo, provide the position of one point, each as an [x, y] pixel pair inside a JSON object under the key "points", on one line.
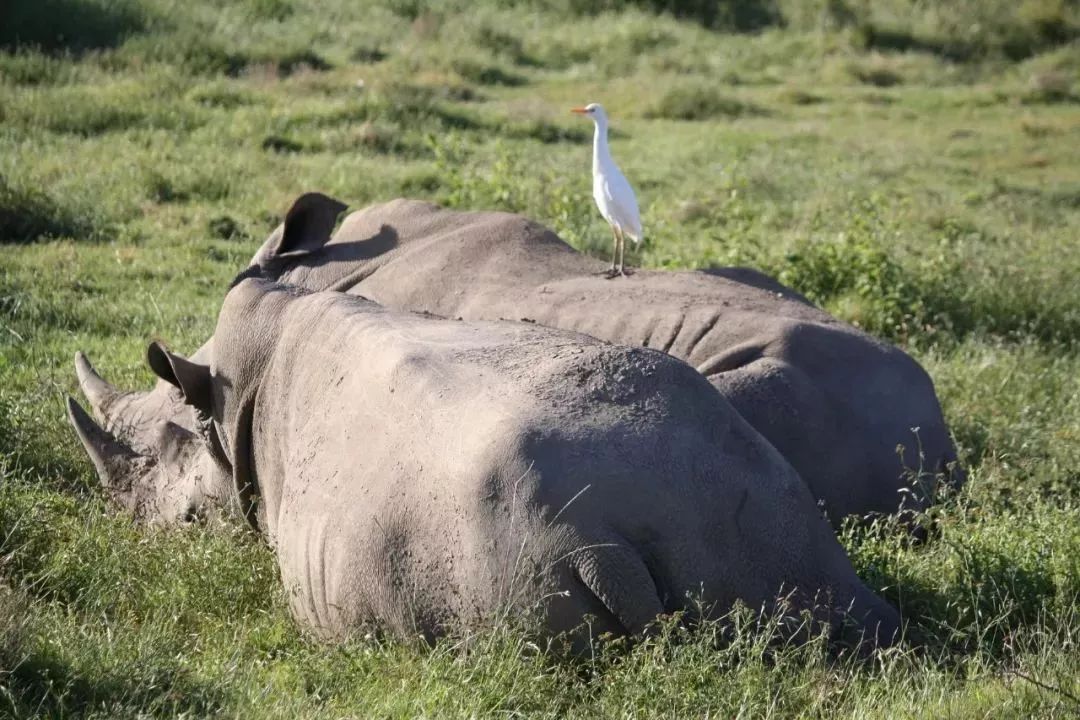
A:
{"points": [[623, 203]]}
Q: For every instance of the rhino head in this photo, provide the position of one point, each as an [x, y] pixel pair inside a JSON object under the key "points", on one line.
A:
{"points": [[149, 450]]}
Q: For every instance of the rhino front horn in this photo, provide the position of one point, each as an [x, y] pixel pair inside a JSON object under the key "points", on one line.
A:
{"points": [[97, 390], [113, 461]]}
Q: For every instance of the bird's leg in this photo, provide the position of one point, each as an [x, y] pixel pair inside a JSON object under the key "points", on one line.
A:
{"points": [[626, 270], [614, 252], [622, 252]]}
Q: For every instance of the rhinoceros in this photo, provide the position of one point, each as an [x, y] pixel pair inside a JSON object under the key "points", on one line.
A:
{"points": [[423, 474], [836, 402]]}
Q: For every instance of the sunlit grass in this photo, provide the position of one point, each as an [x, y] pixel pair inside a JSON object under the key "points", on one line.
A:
{"points": [[910, 169]]}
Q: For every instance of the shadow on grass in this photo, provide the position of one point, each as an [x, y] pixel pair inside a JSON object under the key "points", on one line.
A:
{"points": [[486, 74], [988, 583], [729, 15], [28, 214], [700, 102], [883, 38], [1016, 41], [43, 686], [67, 25]]}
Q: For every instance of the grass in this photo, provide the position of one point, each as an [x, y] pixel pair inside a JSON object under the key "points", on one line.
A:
{"points": [[913, 167]]}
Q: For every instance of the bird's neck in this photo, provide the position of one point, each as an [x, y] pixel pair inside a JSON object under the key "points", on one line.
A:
{"points": [[601, 156]]}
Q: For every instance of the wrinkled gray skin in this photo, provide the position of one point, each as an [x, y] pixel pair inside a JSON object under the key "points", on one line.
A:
{"points": [[835, 401], [423, 474]]}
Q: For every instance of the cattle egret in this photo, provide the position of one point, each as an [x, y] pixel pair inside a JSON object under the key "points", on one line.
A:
{"points": [[612, 192]]}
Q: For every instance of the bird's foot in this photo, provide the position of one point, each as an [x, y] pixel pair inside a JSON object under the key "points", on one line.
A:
{"points": [[626, 272], [611, 273]]}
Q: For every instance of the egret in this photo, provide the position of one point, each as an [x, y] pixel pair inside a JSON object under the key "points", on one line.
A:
{"points": [[613, 194]]}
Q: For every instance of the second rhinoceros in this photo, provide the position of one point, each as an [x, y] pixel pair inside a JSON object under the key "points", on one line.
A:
{"points": [[833, 400]]}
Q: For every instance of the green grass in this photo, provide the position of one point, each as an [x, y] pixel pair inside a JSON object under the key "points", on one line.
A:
{"points": [[913, 167]]}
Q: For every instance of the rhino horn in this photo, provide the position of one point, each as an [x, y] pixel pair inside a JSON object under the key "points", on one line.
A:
{"points": [[97, 390], [115, 463]]}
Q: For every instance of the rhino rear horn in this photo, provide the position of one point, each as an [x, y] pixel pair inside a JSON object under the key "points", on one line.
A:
{"points": [[193, 379], [309, 222], [100, 394], [114, 462]]}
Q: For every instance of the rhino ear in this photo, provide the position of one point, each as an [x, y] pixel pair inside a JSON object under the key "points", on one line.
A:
{"points": [[308, 223], [193, 379]]}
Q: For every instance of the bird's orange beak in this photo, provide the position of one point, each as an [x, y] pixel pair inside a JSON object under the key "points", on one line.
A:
{"points": [[579, 111]]}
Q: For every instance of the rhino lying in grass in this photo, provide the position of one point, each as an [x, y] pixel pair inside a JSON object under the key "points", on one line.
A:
{"points": [[424, 474], [835, 401]]}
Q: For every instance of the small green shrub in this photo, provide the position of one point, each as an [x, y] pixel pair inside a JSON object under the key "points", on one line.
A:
{"points": [[278, 10], [876, 75], [226, 227], [503, 44], [197, 52], [1049, 87], [731, 15], [818, 14], [185, 184], [89, 111], [282, 144], [28, 214], [203, 53], [220, 94], [699, 102], [72, 116], [295, 61], [542, 130], [798, 96], [368, 55], [30, 67], [855, 271], [988, 576], [414, 106], [485, 74], [974, 31]]}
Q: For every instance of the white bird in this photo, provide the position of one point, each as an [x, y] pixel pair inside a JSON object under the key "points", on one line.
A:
{"points": [[613, 194]]}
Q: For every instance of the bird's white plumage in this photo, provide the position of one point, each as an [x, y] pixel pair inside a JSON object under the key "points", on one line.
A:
{"points": [[616, 201], [611, 190]]}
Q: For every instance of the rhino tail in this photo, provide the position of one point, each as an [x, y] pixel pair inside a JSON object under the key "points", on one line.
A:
{"points": [[617, 576]]}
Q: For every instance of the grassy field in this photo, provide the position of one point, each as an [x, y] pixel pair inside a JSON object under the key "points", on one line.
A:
{"points": [[913, 166]]}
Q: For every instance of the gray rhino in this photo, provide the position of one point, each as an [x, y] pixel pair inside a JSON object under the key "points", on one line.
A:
{"points": [[835, 401], [423, 474]]}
